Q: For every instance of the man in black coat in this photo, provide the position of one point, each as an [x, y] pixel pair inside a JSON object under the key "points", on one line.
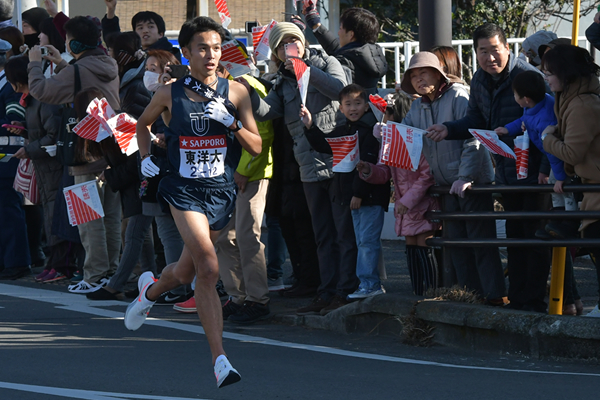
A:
{"points": [[492, 104], [356, 48], [148, 24]]}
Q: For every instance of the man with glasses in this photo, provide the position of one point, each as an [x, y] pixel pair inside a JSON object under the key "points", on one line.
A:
{"points": [[492, 104]]}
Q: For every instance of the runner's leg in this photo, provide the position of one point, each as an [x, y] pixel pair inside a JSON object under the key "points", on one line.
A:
{"points": [[199, 252]]}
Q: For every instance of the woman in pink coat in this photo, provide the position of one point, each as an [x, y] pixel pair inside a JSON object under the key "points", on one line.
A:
{"points": [[412, 202]]}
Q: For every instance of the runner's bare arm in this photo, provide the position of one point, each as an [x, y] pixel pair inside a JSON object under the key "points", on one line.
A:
{"points": [[248, 136], [161, 102]]}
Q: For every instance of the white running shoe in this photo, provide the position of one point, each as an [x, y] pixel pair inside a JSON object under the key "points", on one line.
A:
{"points": [[225, 373], [595, 313], [83, 287], [138, 310]]}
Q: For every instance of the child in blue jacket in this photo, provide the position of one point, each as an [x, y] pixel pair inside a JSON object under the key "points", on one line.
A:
{"points": [[538, 112]]}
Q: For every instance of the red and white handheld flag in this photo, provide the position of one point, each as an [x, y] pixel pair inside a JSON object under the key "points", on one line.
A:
{"points": [[223, 12], [378, 106], [522, 154], [346, 152], [123, 127], [302, 72], [490, 140], [95, 125], [235, 60], [83, 203], [401, 146], [260, 41]]}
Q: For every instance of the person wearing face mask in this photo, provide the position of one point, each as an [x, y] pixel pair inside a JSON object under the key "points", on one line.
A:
{"points": [[97, 69], [32, 20]]}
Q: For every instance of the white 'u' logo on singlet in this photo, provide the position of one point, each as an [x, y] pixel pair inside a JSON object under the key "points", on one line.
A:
{"points": [[199, 124]]}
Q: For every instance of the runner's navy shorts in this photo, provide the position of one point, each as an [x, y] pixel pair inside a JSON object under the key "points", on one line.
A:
{"points": [[215, 202]]}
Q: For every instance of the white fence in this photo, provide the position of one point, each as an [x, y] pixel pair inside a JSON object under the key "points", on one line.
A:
{"points": [[403, 51]]}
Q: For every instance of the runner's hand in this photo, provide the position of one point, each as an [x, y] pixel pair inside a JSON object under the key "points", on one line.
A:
{"points": [[218, 112], [149, 169]]}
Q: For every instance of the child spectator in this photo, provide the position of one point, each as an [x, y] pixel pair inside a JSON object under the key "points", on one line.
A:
{"points": [[538, 113], [366, 201], [411, 204]]}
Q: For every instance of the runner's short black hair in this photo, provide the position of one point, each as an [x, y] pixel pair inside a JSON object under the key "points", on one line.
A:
{"points": [[149, 16], [199, 25], [530, 84], [488, 31], [353, 88], [362, 22], [83, 29]]}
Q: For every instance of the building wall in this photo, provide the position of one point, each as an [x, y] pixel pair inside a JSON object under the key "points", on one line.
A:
{"points": [[174, 12], [250, 10]]}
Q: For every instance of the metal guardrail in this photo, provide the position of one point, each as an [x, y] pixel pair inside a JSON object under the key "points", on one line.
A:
{"points": [[559, 245]]}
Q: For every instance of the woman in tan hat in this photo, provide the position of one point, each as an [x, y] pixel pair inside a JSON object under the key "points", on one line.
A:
{"points": [[327, 79], [458, 163]]}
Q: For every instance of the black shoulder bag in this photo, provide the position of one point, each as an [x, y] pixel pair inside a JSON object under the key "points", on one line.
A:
{"points": [[67, 142]]}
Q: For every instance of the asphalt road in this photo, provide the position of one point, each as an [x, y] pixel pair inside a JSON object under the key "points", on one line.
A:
{"points": [[59, 345]]}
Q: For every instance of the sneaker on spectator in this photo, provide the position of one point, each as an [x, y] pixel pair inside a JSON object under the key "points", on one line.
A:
{"points": [[315, 306], [595, 313], [362, 293], [170, 298], [84, 287], [39, 277], [138, 310], [299, 291], [54, 276], [221, 290], [225, 373], [290, 281], [230, 308], [250, 313], [77, 277], [14, 273], [188, 306], [275, 284], [336, 302]]}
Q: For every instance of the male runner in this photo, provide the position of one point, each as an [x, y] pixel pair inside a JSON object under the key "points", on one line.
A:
{"points": [[199, 190]]}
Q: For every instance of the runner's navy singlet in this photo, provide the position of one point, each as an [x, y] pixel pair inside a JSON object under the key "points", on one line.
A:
{"points": [[199, 147], [203, 155]]}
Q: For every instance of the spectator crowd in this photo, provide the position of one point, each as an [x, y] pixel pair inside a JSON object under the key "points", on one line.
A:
{"points": [[195, 217]]}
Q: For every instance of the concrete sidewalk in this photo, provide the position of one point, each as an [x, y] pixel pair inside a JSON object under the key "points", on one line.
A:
{"points": [[461, 325]]}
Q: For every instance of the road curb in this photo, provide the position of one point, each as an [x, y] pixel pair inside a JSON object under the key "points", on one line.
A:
{"points": [[468, 326]]}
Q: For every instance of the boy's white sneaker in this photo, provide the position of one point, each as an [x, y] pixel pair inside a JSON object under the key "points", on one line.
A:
{"points": [[225, 373], [595, 313], [138, 310]]}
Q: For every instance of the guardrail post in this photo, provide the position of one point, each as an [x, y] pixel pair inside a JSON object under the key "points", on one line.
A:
{"points": [[557, 280]]}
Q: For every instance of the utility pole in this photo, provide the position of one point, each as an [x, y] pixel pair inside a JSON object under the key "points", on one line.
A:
{"points": [[435, 23]]}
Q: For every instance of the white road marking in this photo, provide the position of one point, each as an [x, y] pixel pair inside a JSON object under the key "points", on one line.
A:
{"points": [[84, 394], [78, 303]]}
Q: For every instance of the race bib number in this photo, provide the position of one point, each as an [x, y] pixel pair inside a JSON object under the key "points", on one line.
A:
{"points": [[202, 157]]}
